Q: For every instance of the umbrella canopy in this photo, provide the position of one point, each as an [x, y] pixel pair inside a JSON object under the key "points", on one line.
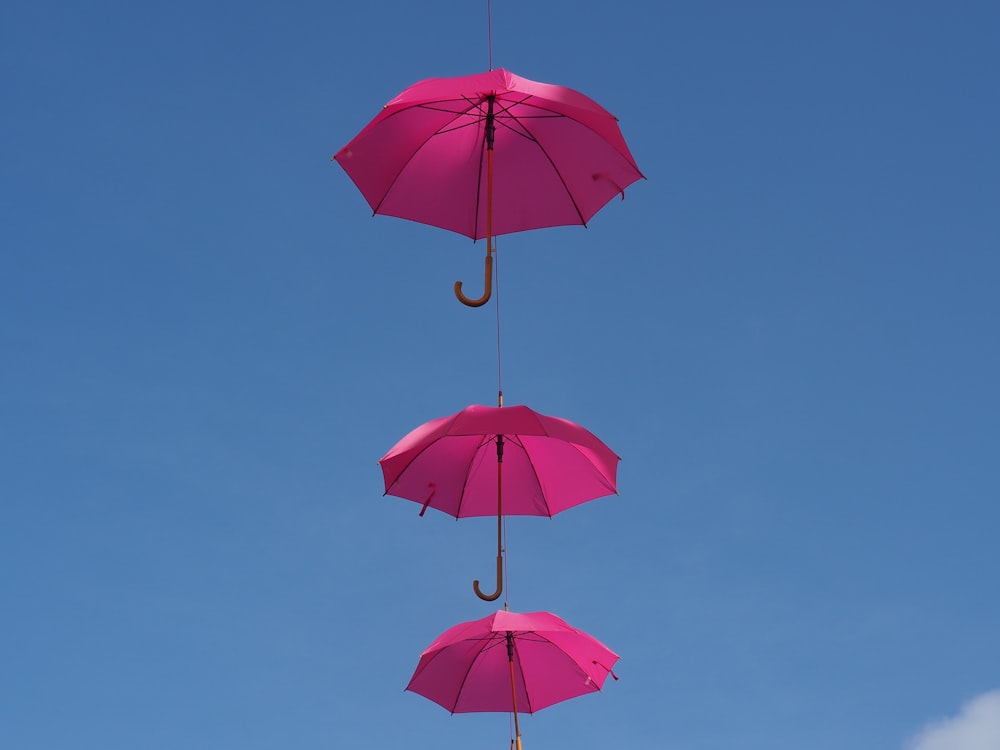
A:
{"points": [[451, 463], [456, 464], [428, 156], [560, 155], [473, 666]]}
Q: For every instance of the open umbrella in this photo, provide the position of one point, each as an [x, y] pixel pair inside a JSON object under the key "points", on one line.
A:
{"points": [[505, 460], [428, 156], [511, 662]]}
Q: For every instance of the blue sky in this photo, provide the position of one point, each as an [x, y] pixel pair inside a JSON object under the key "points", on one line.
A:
{"points": [[788, 332]]}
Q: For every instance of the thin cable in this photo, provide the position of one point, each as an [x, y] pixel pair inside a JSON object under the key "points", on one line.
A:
{"points": [[489, 31], [506, 570], [496, 295]]}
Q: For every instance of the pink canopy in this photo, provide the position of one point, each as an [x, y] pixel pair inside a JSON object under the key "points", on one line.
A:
{"points": [[560, 156], [470, 666], [456, 464], [549, 464]]}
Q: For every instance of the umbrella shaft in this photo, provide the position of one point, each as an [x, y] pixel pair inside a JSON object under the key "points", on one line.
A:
{"points": [[499, 496], [513, 697], [489, 202]]}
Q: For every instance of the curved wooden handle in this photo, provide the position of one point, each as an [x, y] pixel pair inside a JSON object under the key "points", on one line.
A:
{"points": [[496, 594], [487, 284]]}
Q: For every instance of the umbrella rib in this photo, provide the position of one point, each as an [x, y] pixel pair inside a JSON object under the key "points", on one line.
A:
{"points": [[409, 463], [586, 460], [566, 187], [527, 135], [399, 476], [538, 481], [479, 172], [542, 108], [561, 650], [505, 109], [551, 113], [487, 439], [417, 150], [531, 136], [626, 156], [520, 670], [489, 642], [462, 100], [605, 481], [515, 439], [442, 131], [545, 114], [467, 111], [479, 194]]}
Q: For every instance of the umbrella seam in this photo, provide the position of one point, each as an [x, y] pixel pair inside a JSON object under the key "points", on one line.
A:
{"points": [[627, 155], [468, 472], [534, 139], [573, 661], [409, 463], [489, 643], [538, 481], [590, 463], [520, 671], [417, 150], [556, 114], [559, 174]]}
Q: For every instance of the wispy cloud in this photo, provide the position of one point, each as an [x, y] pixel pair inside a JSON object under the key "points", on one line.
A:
{"points": [[976, 727]]}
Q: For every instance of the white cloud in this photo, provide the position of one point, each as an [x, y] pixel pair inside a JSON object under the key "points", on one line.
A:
{"points": [[977, 727]]}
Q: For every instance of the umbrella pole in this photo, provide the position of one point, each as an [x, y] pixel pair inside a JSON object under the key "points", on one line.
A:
{"points": [[488, 280], [513, 688], [475, 584]]}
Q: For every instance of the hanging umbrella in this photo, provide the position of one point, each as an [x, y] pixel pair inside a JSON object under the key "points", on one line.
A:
{"points": [[428, 156], [505, 460], [513, 663]]}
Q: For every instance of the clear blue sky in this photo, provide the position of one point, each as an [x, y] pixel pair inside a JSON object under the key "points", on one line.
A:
{"points": [[788, 332]]}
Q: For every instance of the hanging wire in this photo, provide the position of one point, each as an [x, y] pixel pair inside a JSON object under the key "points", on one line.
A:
{"points": [[506, 608], [506, 569], [496, 281], [496, 296], [489, 31]]}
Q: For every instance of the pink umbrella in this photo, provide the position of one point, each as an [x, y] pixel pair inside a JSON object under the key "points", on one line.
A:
{"points": [[511, 662], [551, 465], [428, 157]]}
